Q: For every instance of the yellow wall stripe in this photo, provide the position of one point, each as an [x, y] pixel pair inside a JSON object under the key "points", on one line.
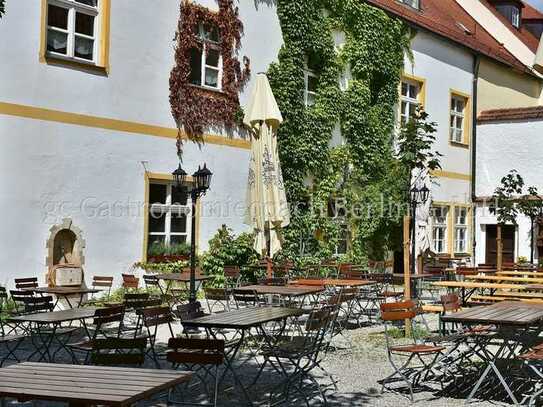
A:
{"points": [[49, 115], [450, 174]]}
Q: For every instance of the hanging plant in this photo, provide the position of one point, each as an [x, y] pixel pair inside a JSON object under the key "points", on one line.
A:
{"points": [[196, 108]]}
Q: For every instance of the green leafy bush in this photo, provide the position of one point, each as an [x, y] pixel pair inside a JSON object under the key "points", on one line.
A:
{"points": [[226, 249]]}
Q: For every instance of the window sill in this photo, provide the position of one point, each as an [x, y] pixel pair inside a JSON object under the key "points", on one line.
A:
{"points": [[458, 144], [75, 64], [207, 89]]}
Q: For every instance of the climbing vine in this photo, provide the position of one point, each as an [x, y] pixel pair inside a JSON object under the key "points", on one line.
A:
{"points": [[196, 108], [362, 169]]}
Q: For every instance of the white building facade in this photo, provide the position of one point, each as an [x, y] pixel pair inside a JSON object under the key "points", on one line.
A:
{"points": [[86, 133]]}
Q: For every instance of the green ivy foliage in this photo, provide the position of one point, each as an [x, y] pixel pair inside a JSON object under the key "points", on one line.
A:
{"points": [[363, 169], [2, 8]]}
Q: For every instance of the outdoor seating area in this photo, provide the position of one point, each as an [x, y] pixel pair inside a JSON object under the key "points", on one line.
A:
{"points": [[272, 341]]}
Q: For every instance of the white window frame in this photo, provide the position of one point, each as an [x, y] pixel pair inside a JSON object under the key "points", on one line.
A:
{"points": [[456, 134], [204, 66], [411, 3], [408, 99], [443, 226], [307, 74], [74, 7], [459, 226], [515, 17], [169, 209], [341, 221]]}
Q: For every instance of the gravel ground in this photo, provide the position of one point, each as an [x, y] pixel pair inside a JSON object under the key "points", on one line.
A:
{"points": [[358, 362]]}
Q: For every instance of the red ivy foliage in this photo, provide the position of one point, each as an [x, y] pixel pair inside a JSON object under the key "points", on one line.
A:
{"points": [[196, 108]]}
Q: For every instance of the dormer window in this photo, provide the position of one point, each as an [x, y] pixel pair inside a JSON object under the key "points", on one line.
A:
{"points": [[511, 11], [412, 3]]}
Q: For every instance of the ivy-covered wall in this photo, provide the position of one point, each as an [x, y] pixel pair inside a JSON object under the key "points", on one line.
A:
{"points": [[363, 170]]}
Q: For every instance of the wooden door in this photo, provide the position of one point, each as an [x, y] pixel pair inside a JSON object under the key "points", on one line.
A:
{"points": [[508, 240]]}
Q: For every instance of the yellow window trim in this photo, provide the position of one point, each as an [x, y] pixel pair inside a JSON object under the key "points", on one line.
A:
{"points": [[467, 119], [451, 175], [450, 225], [155, 176], [422, 82], [56, 116], [102, 66]]}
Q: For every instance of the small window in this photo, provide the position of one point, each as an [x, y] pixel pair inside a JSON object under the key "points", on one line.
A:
{"points": [[439, 228], [409, 99], [511, 12], [310, 93], [460, 229], [72, 29], [411, 3], [458, 119], [168, 220], [206, 63], [337, 211]]}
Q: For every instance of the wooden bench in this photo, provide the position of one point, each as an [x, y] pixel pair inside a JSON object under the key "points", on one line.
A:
{"points": [[518, 294]]}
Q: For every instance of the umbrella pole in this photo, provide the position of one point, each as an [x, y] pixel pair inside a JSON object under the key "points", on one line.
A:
{"points": [[268, 253]]}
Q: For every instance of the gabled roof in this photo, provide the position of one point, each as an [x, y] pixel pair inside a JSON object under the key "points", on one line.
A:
{"points": [[448, 19], [522, 33]]}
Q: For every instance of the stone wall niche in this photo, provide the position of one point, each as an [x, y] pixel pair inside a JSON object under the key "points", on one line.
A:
{"points": [[65, 247]]}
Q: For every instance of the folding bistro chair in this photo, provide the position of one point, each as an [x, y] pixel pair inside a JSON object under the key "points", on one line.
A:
{"points": [[202, 356], [533, 361], [232, 277], [107, 323], [26, 283], [244, 298], [118, 352], [294, 358], [130, 281], [101, 283], [152, 319], [402, 356], [217, 297], [188, 311], [10, 338]]}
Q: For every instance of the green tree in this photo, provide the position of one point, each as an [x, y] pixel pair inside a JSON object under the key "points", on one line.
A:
{"points": [[2, 7]]}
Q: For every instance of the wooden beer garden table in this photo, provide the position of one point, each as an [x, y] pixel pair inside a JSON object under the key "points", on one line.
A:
{"points": [[518, 326], [85, 385], [468, 288], [48, 328], [335, 282], [528, 273], [287, 291], [242, 321], [66, 293], [507, 279]]}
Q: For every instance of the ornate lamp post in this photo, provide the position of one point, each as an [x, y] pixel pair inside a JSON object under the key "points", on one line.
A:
{"points": [[417, 196], [201, 180]]}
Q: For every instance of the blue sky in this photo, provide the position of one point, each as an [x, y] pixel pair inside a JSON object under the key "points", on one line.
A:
{"points": [[536, 3]]}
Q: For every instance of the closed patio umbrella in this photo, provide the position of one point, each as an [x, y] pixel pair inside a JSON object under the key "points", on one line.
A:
{"points": [[267, 208]]}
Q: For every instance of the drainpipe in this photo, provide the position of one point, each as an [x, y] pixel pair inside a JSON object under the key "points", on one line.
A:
{"points": [[476, 65]]}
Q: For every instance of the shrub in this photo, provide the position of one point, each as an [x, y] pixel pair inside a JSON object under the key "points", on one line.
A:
{"points": [[226, 249]]}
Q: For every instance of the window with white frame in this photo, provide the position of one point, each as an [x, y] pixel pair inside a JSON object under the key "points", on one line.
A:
{"points": [[337, 211], [439, 228], [409, 99], [169, 210], [72, 27], [310, 92], [458, 117], [206, 67], [460, 229], [411, 3]]}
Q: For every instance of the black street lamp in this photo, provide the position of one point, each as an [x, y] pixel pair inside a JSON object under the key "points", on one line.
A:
{"points": [[417, 196], [201, 180]]}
